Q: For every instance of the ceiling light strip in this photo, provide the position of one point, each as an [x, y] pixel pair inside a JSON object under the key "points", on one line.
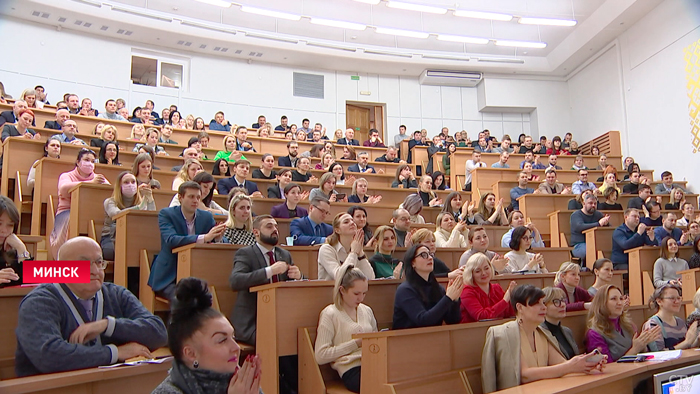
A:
{"points": [[547, 21], [218, 3], [270, 13], [521, 44], [373, 2], [416, 7], [402, 33], [463, 39], [339, 24], [483, 15]]}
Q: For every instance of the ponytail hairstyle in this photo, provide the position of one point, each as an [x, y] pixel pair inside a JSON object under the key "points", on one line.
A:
{"points": [[563, 269], [345, 278], [190, 310], [659, 293]]}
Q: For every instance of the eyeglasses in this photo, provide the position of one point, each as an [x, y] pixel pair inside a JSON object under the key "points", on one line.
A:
{"points": [[100, 263], [426, 255], [323, 211], [559, 302]]}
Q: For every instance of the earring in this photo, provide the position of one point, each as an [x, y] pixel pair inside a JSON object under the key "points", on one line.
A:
{"points": [[195, 364], [520, 322]]}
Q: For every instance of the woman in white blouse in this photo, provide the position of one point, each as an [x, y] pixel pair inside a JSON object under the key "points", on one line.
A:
{"points": [[519, 259], [450, 234], [343, 247], [340, 320]]}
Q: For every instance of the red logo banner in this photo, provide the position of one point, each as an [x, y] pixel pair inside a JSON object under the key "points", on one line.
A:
{"points": [[66, 271]]}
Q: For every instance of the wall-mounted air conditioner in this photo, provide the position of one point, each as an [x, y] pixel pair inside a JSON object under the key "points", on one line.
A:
{"points": [[450, 78]]}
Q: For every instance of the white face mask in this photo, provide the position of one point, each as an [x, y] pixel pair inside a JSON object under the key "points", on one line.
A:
{"points": [[129, 189]]}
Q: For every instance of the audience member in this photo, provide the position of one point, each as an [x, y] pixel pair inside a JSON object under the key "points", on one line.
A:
{"points": [[639, 202], [489, 212], [519, 259], [479, 240], [427, 195], [438, 179], [68, 135], [127, 195], [349, 138], [239, 224], [557, 148], [527, 145], [142, 169], [84, 171], [382, 262], [520, 191], [29, 96], [200, 366], [517, 219], [52, 149], [374, 140], [219, 123], [400, 137], [311, 229], [568, 279], [676, 200], [666, 301], [14, 251], [62, 116], [420, 301], [667, 266], [416, 141], [527, 168], [533, 160], [504, 147], [688, 211], [21, 128], [107, 133], [12, 116], [603, 271], [343, 247], [610, 203], [83, 325], [290, 208], [207, 182], [584, 219], [634, 183], [425, 237], [359, 193], [188, 153], [326, 189], [450, 234], [349, 153], [482, 299], [152, 137], [283, 126], [266, 168], [325, 162], [667, 185], [291, 159], [362, 164], [191, 168], [340, 320], [109, 153], [337, 170], [391, 156], [502, 161], [111, 111], [669, 229], [404, 178], [402, 225], [284, 178], [414, 205], [138, 133], [654, 218], [241, 169], [508, 361], [470, 166], [552, 162], [359, 216], [302, 174], [629, 235], [551, 186], [555, 302], [460, 212]]}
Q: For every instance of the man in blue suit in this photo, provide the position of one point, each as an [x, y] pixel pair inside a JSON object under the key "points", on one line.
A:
{"points": [[241, 168], [179, 226], [362, 164], [311, 230]]}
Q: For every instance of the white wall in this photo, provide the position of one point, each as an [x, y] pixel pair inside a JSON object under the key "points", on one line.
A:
{"points": [[643, 91], [99, 68]]}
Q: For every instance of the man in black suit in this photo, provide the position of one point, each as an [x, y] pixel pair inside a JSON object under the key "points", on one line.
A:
{"points": [[416, 141], [62, 115], [12, 116], [261, 122], [291, 159], [349, 138], [257, 265], [241, 169], [362, 165]]}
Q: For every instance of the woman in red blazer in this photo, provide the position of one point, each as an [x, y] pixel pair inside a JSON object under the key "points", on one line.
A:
{"points": [[481, 299]]}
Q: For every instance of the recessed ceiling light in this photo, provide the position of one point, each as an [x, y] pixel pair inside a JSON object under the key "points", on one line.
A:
{"points": [[403, 33], [483, 15], [218, 3], [467, 40], [521, 44], [271, 13], [547, 21], [340, 24], [373, 2], [416, 7]]}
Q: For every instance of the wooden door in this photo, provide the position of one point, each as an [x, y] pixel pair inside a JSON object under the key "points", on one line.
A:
{"points": [[357, 118]]}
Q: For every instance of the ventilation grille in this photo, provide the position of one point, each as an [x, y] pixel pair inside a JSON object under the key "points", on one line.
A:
{"points": [[308, 85]]}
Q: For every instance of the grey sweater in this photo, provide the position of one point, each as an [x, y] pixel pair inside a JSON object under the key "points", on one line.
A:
{"points": [[667, 270], [50, 313], [581, 222]]}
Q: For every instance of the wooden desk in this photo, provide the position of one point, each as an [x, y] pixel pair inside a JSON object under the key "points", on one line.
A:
{"points": [[139, 379], [598, 239], [641, 272], [9, 303], [690, 281], [390, 357]]}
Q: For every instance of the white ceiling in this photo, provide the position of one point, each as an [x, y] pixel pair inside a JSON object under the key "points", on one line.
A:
{"points": [[599, 22]]}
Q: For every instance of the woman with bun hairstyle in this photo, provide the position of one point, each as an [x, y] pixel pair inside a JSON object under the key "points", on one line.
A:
{"points": [[205, 354], [340, 320]]}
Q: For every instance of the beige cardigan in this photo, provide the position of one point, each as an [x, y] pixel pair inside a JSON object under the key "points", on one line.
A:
{"points": [[500, 359], [544, 188]]}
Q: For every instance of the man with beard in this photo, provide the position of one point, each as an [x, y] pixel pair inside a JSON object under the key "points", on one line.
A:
{"points": [[583, 219], [291, 159], [257, 265]]}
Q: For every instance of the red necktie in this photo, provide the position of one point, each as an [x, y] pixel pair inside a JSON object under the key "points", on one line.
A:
{"points": [[271, 255]]}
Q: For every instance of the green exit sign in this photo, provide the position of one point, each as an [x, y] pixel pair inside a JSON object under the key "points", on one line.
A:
{"points": [[357, 129], [355, 77]]}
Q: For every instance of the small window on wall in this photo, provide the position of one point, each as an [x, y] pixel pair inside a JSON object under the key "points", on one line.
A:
{"points": [[158, 72]]}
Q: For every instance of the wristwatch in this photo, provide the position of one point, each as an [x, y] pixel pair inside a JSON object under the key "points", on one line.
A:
{"points": [[24, 256]]}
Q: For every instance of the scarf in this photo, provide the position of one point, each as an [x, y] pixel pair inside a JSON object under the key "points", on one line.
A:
{"points": [[199, 381]]}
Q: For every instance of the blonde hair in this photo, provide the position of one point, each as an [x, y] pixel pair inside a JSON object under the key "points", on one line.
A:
{"points": [[335, 238], [553, 293], [138, 126], [672, 199], [117, 192], [599, 314], [109, 127], [379, 233], [231, 221], [354, 184], [227, 137], [563, 269], [438, 220], [475, 260], [325, 178], [421, 235], [183, 174], [345, 277]]}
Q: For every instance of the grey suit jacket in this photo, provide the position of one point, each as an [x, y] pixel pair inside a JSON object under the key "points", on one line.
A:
{"points": [[249, 271]]}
